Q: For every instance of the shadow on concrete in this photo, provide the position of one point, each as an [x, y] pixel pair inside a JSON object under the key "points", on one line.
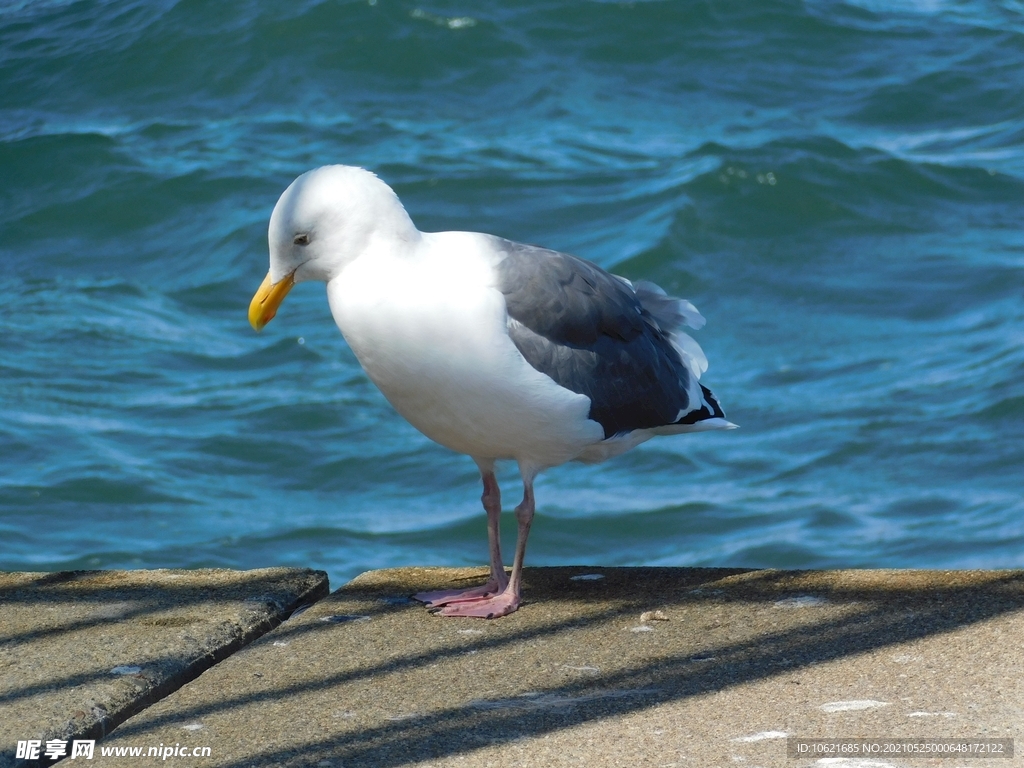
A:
{"points": [[65, 634], [881, 609]]}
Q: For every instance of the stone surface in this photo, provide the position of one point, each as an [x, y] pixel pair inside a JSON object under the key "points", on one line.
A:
{"points": [[81, 651], [737, 662]]}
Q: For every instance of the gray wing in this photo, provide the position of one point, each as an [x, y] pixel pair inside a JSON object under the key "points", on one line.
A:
{"points": [[590, 332]]}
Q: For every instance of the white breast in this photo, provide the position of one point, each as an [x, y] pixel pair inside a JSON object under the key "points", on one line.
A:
{"points": [[429, 328]]}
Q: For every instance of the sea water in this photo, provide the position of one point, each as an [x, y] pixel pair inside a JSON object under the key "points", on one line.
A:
{"points": [[837, 186]]}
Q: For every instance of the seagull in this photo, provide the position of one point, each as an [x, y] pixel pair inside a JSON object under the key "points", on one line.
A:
{"points": [[492, 348]]}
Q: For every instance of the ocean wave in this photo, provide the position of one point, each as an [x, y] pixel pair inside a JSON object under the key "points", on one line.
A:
{"points": [[836, 185]]}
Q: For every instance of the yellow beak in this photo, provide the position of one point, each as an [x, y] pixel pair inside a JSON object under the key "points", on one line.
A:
{"points": [[267, 299]]}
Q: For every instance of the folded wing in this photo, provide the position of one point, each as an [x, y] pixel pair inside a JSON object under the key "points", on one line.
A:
{"points": [[599, 335]]}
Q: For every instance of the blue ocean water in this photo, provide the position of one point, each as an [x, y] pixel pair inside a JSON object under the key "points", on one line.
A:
{"points": [[838, 186]]}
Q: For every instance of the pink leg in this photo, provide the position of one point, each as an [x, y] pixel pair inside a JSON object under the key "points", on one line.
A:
{"points": [[498, 579], [508, 600]]}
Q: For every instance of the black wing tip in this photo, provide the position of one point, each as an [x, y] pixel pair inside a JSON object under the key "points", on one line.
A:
{"points": [[709, 409], [710, 399]]}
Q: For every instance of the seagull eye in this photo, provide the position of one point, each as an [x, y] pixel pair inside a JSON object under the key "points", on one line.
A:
{"points": [[301, 240]]}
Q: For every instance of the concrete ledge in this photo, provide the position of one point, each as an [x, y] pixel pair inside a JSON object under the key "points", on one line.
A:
{"points": [[82, 651], [588, 673]]}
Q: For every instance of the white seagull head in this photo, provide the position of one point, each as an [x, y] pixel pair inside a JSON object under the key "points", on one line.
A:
{"points": [[325, 220]]}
